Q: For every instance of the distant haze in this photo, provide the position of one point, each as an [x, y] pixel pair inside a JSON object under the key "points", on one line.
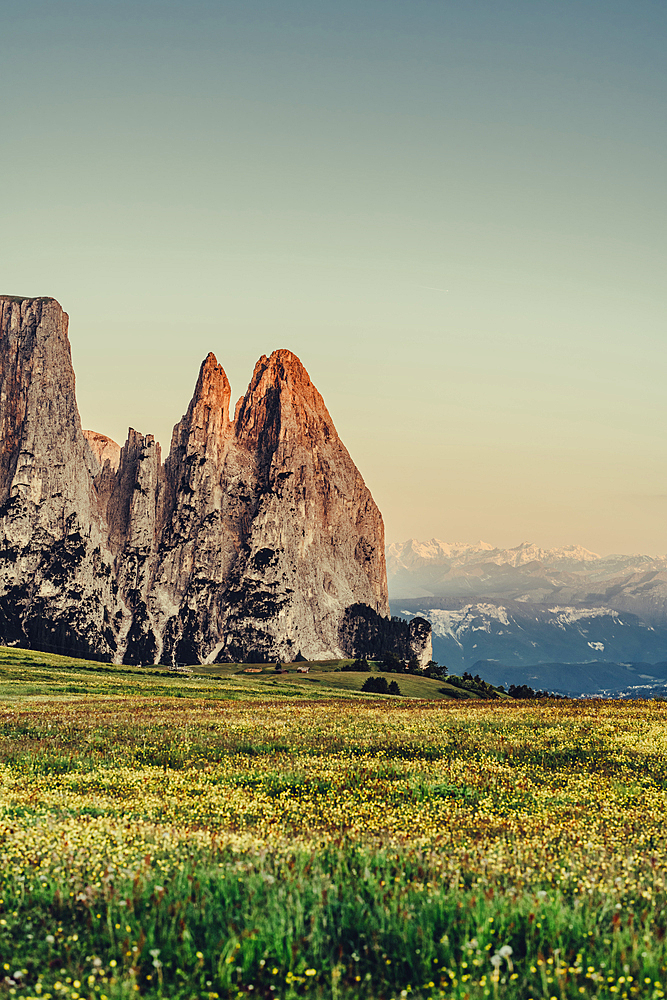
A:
{"points": [[453, 213]]}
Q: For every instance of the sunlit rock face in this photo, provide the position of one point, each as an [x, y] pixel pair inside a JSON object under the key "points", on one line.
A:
{"points": [[251, 542], [268, 530], [103, 448]]}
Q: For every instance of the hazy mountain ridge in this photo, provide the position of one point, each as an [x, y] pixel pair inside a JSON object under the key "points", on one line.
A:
{"points": [[520, 633], [569, 575], [528, 607], [413, 553], [599, 677]]}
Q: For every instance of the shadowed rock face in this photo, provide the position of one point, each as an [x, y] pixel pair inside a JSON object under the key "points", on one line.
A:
{"points": [[56, 573], [252, 541]]}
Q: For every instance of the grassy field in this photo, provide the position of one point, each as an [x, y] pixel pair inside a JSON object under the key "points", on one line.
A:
{"points": [[235, 836], [332, 681], [28, 673]]}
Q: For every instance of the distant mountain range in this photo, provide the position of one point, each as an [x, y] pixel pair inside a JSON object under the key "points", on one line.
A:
{"points": [[568, 575], [532, 607]]}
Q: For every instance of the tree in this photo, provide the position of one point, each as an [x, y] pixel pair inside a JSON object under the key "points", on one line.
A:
{"points": [[391, 664], [356, 666], [376, 685], [379, 685], [524, 691]]}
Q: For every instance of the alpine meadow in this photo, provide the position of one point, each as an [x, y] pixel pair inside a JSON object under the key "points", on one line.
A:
{"points": [[237, 836]]}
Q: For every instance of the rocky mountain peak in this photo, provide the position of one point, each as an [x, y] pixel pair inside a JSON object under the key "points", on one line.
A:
{"points": [[282, 406], [55, 575], [257, 539], [205, 426], [284, 367], [37, 389], [212, 388]]}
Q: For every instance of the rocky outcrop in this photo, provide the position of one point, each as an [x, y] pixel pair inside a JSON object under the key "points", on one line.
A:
{"points": [[103, 448], [362, 632], [56, 574], [252, 541]]}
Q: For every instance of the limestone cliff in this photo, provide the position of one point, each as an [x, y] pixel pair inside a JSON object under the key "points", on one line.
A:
{"points": [[256, 539], [56, 588], [269, 532]]}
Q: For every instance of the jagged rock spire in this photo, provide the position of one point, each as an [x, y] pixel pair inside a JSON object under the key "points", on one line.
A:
{"points": [[203, 429], [56, 590]]}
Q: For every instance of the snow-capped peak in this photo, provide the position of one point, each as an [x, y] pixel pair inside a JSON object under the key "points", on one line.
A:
{"points": [[436, 552]]}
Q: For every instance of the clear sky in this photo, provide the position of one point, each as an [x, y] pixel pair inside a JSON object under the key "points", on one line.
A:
{"points": [[453, 211]]}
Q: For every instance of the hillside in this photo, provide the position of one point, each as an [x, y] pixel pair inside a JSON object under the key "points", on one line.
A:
{"points": [[33, 675], [599, 677]]}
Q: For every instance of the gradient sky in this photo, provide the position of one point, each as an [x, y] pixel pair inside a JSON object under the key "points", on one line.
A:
{"points": [[453, 212]]}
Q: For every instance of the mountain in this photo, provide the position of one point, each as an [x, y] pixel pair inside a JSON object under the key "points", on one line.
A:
{"points": [[569, 575], [527, 605], [255, 539], [520, 633]]}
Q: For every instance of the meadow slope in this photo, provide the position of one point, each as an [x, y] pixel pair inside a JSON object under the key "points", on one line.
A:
{"points": [[190, 837]]}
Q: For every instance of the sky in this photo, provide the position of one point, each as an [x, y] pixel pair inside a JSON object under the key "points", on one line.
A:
{"points": [[453, 212]]}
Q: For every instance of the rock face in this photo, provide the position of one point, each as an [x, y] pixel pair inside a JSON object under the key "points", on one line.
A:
{"points": [[257, 539], [56, 574], [103, 448]]}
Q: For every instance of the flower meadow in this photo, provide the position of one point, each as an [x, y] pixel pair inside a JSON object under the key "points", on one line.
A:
{"points": [[195, 846]]}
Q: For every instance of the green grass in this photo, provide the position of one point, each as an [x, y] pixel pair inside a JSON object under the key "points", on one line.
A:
{"points": [[353, 923], [29, 674], [33, 675], [196, 850], [224, 835], [411, 685]]}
